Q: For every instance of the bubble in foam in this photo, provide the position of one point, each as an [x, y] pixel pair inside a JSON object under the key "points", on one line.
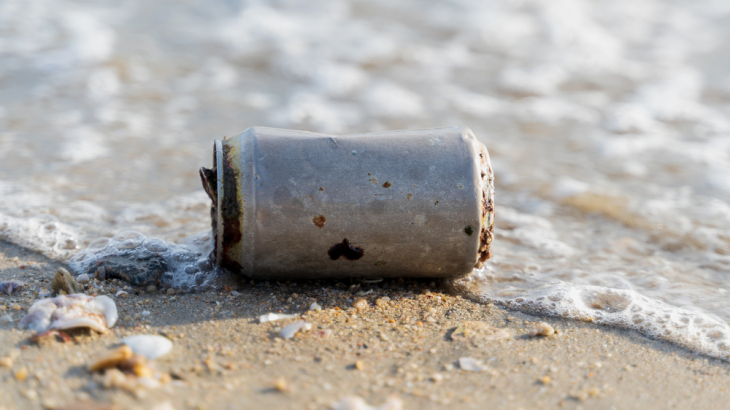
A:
{"points": [[624, 308], [131, 256], [128, 239], [98, 243]]}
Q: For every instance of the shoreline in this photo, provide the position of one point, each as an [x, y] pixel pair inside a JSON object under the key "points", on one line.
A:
{"points": [[223, 358]]}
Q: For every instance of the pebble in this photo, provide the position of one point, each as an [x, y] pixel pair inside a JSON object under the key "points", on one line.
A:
{"points": [[359, 365], [149, 346], [235, 293], [83, 278], [289, 331], [65, 284], [360, 304], [151, 288], [21, 374], [281, 385], [6, 361], [170, 291], [472, 365], [315, 306], [121, 294], [543, 329]]}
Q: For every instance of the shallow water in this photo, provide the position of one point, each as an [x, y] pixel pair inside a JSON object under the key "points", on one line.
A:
{"points": [[607, 122]]}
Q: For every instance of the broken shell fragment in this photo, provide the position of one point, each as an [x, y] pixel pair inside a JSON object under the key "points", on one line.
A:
{"points": [[71, 311], [289, 331], [431, 214], [65, 284], [10, 286], [149, 346], [111, 358]]}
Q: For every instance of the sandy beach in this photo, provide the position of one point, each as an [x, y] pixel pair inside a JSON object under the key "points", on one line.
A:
{"points": [[408, 346]]}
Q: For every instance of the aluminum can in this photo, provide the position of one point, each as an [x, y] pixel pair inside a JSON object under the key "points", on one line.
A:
{"points": [[300, 205]]}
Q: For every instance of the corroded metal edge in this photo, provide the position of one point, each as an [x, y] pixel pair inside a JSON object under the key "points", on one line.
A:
{"points": [[486, 234], [230, 213]]}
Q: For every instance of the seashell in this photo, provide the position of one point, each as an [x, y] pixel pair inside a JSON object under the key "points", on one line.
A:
{"points": [[270, 317], [111, 358], [149, 346], [10, 286], [71, 311], [64, 283], [289, 331]]}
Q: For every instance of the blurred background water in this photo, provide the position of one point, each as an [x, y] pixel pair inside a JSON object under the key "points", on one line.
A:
{"points": [[607, 122]]}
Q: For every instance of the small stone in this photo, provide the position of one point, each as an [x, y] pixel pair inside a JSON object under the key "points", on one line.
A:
{"points": [[6, 361], [315, 306], [382, 302], [437, 377], [360, 304], [83, 278], [543, 329], [151, 288], [16, 307], [149, 346], [21, 374], [359, 365], [170, 291], [235, 293], [281, 385], [64, 282], [472, 365], [545, 379], [121, 294]]}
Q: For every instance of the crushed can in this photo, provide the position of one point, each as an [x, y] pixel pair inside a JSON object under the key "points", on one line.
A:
{"points": [[399, 204]]}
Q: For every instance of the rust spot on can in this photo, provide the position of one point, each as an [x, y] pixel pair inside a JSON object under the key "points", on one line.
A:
{"points": [[319, 221], [409, 196], [469, 230], [350, 252], [386, 184], [321, 189], [380, 263]]}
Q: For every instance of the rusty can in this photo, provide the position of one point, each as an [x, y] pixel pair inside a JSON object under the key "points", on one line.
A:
{"points": [[300, 205]]}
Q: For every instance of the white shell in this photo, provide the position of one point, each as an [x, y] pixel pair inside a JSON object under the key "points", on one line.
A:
{"points": [[149, 346], [71, 311], [289, 331]]}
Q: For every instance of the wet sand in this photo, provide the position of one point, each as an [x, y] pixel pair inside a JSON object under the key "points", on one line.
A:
{"points": [[223, 358]]}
